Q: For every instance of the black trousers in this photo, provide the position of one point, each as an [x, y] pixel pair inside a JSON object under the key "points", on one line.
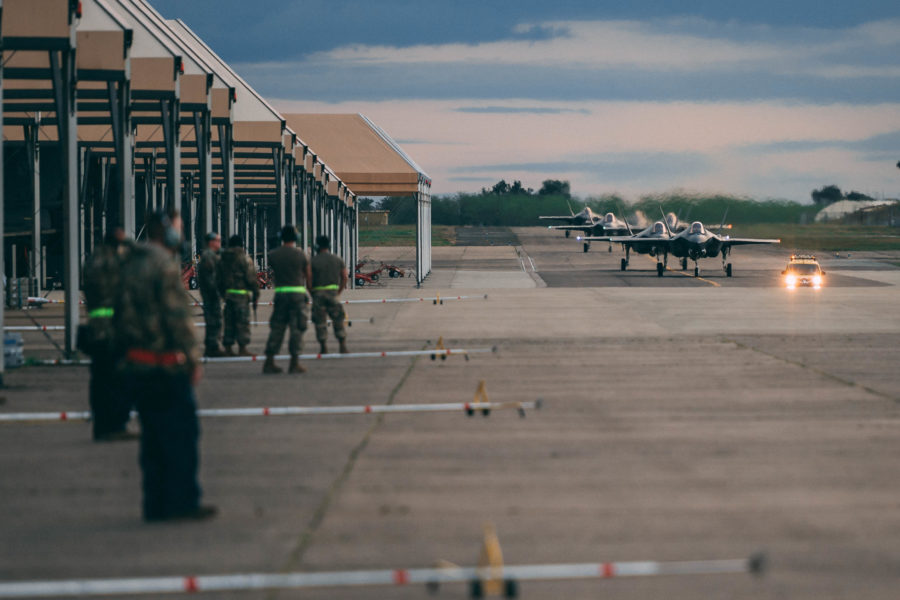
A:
{"points": [[110, 406], [169, 442]]}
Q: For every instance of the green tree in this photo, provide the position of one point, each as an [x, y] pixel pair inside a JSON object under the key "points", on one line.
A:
{"points": [[555, 187], [827, 195], [858, 196]]}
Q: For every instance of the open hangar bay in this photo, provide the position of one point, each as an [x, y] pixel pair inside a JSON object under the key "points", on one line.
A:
{"points": [[682, 421]]}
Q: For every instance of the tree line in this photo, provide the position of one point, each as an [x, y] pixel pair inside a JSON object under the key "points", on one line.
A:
{"points": [[511, 204]]}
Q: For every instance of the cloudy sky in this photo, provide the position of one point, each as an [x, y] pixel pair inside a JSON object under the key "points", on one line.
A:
{"points": [[768, 99]]}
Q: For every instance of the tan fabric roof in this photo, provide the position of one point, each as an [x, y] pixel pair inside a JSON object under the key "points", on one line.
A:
{"points": [[358, 154]]}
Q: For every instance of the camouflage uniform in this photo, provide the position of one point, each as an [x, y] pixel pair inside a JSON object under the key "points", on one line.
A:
{"points": [[155, 337], [110, 408], [289, 265], [236, 277], [326, 279], [212, 301]]}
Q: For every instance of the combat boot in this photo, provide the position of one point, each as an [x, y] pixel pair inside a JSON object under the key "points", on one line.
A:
{"points": [[242, 351], [269, 367], [228, 351], [295, 366], [214, 351], [323, 348], [343, 347]]}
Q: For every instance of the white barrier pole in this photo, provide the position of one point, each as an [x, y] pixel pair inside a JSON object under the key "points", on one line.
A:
{"points": [[397, 577], [442, 352], [283, 411]]}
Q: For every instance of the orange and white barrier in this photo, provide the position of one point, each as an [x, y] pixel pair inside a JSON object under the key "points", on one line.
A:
{"points": [[392, 577], [443, 353], [283, 411], [435, 299]]}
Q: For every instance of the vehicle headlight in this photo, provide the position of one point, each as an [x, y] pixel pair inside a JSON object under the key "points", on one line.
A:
{"points": [[790, 280], [817, 280]]}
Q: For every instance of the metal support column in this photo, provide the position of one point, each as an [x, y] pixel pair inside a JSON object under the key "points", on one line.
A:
{"points": [[170, 124], [303, 226], [123, 139], [203, 135], [63, 69], [2, 224], [226, 148], [34, 161], [291, 183], [265, 241], [277, 167]]}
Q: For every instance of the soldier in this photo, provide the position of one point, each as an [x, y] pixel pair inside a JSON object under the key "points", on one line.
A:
{"points": [[236, 277], [209, 292], [291, 269], [329, 279], [155, 335], [110, 408]]}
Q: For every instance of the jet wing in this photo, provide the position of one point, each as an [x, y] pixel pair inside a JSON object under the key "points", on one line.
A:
{"points": [[559, 218], [619, 239], [585, 227], [747, 241]]}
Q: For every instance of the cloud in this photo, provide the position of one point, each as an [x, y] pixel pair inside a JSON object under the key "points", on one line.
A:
{"points": [[759, 149], [534, 110], [680, 44], [674, 59]]}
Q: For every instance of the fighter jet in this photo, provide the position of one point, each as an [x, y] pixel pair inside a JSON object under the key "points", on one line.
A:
{"points": [[609, 225], [585, 216], [653, 240], [698, 242]]}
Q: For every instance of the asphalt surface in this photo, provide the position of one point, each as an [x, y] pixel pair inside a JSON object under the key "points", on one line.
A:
{"points": [[682, 421]]}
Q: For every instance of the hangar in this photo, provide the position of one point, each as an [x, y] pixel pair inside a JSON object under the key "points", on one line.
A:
{"points": [[111, 111]]}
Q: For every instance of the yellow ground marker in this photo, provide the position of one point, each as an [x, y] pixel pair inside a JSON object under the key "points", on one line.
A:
{"points": [[491, 560]]}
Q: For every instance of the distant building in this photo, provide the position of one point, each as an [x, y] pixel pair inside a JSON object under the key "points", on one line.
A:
{"points": [[839, 210], [373, 217]]}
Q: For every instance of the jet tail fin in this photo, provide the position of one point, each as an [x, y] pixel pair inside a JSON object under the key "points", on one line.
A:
{"points": [[665, 220], [725, 216], [627, 226]]}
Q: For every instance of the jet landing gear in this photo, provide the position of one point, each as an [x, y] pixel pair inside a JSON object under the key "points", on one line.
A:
{"points": [[568, 233], [587, 246], [726, 266], [625, 260], [661, 266], [684, 264]]}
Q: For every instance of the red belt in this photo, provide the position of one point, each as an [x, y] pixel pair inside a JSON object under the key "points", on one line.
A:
{"points": [[156, 359]]}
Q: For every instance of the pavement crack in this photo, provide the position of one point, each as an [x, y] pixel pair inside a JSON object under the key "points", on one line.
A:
{"points": [[816, 370], [296, 556]]}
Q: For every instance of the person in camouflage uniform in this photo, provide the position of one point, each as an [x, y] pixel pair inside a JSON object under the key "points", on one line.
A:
{"points": [[209, 292], [291, 270], [329, 279], [110, 408], [155, 337], [236, 277]]}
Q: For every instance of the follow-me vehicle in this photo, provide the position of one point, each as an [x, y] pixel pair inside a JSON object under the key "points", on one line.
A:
{"points": [[803, 270]]}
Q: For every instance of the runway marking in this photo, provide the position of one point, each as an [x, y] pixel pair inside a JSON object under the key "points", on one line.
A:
{"points": [[679, 272], [399, 577]]}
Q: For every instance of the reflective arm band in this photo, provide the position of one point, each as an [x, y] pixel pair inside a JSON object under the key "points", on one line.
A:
{"points": [[290, 289], [104, 312], [238, 292], [333, 286]]}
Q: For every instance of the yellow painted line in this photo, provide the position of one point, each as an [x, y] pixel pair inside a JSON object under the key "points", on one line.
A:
{"points": [[680, 272]]}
